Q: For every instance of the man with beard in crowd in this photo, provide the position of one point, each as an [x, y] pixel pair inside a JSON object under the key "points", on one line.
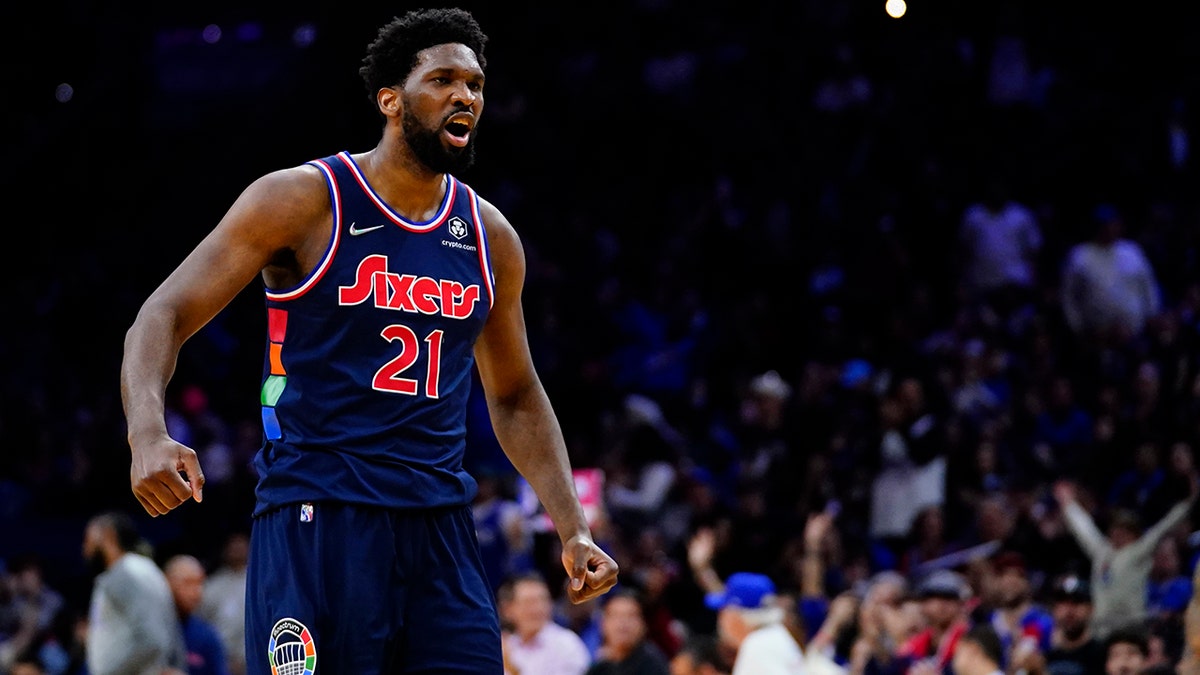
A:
{"points": [[132, 625], [1024, 627], [1073, 648]]}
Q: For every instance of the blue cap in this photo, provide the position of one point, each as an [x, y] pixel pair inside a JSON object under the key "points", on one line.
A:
{"points": [[742, 589]]}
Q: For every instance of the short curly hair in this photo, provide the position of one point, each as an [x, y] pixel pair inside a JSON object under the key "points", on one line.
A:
{"points": [[392, 55]]}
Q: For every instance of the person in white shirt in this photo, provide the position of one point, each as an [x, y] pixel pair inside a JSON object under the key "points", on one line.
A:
{"points": [[1120, 559], [751, 621], [1000, 241], [1109, 288], [133, 628], [979, 652], [533, 643]]}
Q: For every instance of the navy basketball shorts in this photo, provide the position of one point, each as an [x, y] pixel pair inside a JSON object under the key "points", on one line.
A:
{"points": [[336, 589]]}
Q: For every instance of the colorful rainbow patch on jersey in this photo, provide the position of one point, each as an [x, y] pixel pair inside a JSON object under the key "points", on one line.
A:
{"points": [[276, 381], [291, 650]]}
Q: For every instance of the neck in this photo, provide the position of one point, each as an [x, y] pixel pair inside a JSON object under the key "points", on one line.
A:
{"points": [[407, 185], [527, 633], [112, 555], [620, 652]]}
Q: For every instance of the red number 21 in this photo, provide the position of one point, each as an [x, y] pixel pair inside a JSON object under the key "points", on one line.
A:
{"points": [[387, 378]]}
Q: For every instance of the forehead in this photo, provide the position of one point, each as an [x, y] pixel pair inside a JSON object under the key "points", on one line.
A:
{"points": [[622, 605], [451, 56], [529, 588]]}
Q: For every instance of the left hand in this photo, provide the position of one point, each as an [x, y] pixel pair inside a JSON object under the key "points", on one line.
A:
{"points": [[591, 571]]}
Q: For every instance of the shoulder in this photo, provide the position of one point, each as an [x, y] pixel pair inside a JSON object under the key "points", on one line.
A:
{"points": [[499, 230], [1130, 248], [1079, 253], [291, 189], [1020, 211]]}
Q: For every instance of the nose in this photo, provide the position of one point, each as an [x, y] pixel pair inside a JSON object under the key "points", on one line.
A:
{"points": [[462, 95]]}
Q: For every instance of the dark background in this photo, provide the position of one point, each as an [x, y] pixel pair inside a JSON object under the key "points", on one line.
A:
{"points": [[655, 149]]}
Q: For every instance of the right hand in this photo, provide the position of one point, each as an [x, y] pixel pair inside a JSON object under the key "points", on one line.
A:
{"points": [[701, 547], [816, 529], [155, 475]]}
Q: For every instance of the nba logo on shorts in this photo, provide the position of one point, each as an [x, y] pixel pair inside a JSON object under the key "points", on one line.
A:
{"points": [[306, 513], [291, 650]]}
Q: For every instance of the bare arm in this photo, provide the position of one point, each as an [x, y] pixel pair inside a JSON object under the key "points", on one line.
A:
{"points": [[812, 566], [1080, 522], [276, 213], [525, 422], [1144, 546], [700, 550]]}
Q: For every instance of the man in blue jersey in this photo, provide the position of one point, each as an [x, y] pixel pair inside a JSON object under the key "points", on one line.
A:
{"points": [[386, 281]]}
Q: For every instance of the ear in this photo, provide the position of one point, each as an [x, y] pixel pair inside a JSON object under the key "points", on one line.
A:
{"points": [[389, 101]]}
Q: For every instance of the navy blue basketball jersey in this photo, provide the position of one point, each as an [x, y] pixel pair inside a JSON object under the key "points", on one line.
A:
{"points": [[368, 363]]}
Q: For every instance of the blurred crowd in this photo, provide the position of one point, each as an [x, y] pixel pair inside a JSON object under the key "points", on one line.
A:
{"points": [[903, 323]]}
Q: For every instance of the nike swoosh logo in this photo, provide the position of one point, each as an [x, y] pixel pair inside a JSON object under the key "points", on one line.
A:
{"points": [[357, 231]]}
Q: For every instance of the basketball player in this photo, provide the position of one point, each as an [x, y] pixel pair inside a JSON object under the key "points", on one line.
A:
{"points": [[386, 279]]}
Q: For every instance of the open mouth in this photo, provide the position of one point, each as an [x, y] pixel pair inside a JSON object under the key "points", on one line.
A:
{"points": [[458, 131]]}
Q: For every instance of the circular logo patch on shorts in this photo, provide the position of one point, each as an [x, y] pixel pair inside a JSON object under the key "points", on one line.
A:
{"points": [[292, 650]]}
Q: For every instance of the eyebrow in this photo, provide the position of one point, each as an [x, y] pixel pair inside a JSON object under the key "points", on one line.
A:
{"points": [[450, 70]]}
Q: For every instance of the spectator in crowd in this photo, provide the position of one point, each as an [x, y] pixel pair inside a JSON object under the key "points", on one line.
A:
{"points": [[625, 649], [751, 623], [1120, 561], [1074, 649], [943, 595], [1023, 626], [1139, 487], [912, 453], [1063, 431], [701, 654], [1109, 288], [582, 618], [1169, 586], [1126, 649], [1189, 662], [29, 614], [1000, 241], [533, 643], [927, 539], [205, 653], [505, 535], [133, 627], [224, 601], [979, 652], [888, 617]]}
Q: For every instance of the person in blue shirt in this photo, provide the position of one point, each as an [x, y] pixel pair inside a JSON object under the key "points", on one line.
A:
{"points": [[1025, 628], [205, 653]]}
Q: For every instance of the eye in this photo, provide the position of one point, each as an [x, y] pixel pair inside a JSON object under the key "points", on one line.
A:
{"points": [[475, 86]]}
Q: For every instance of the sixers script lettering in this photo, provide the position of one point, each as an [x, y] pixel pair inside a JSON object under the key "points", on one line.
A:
{"points": [[408, 292]]}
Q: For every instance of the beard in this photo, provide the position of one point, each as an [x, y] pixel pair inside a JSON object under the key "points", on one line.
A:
{"points": [[1013, 599], [431, 151], [1074, 631]]}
